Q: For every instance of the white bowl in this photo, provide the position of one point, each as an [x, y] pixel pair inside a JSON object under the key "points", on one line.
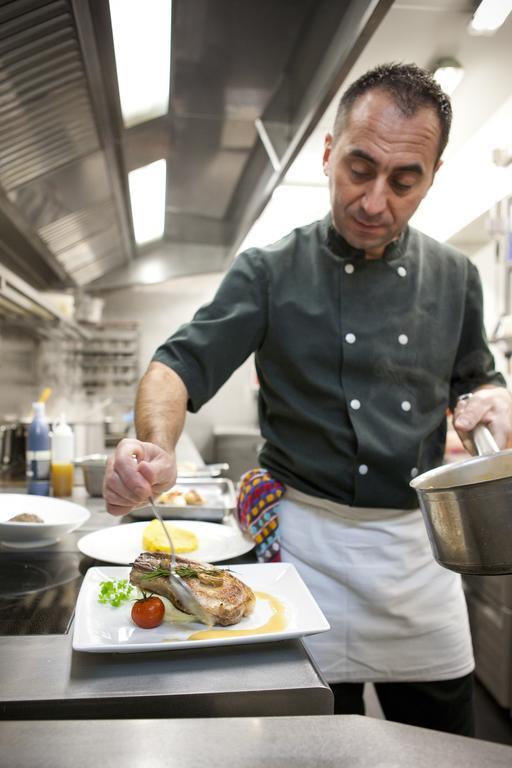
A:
{"points": [[60, 517]]}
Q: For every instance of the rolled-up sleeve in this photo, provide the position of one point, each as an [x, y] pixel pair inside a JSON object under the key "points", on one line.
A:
{"points": [[222, 334], [474, 362]]}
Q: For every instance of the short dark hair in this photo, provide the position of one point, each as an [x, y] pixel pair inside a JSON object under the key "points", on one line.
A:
{"points": [[411, 88]]}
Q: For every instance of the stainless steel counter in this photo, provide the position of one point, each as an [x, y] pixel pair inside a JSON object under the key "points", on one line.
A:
{"points": [[42, 677], [330, 742]]}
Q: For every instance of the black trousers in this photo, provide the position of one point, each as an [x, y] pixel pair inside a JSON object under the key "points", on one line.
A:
{"points": [[443, 705]]}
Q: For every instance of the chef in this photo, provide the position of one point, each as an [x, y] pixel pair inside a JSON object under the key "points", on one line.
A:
{"points": [[365, 332]]}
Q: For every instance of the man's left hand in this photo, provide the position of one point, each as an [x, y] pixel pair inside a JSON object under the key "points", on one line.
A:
{"points": [[491, 406]]}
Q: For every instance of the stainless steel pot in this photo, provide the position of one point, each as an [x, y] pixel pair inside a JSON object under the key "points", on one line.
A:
{"points": [[12, 451], [93, 468], [467, 509]]}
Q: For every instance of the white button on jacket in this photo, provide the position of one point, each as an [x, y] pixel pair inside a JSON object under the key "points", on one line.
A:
{"points": [[350, 338], [355, 404]]}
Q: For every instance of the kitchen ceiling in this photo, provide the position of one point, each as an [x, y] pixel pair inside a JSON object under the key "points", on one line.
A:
{"points": [[249, 81]]}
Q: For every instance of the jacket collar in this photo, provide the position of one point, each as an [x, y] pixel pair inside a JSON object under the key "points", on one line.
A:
{"points": [[339, 247]]}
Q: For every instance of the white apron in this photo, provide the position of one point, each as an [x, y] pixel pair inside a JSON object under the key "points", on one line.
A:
{"points": [[395, 614]]}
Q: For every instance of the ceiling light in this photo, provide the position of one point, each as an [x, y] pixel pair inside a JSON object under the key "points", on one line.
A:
{"points": [[142, 46], [147, 195], [448, 73], [489, 16]]}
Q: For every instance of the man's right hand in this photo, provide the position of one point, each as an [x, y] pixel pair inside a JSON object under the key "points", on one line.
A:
{"points": [[136, 471]]}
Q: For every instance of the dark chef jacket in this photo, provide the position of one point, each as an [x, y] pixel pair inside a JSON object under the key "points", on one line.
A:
{"points": [[357, 359]]}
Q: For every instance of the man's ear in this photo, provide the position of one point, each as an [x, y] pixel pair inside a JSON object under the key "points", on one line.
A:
{"points": [[436, 168], [327, 152]]}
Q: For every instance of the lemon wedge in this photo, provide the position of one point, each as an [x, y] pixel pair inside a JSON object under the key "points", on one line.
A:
{"points": [[155, 540]]}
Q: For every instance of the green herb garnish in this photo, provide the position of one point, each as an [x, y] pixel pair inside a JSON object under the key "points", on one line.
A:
{"points": [[185, 571], [115, 592], [155, 574]]}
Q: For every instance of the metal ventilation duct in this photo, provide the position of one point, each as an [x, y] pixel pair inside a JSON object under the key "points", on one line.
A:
{"points": [[65, 217], [53, 166]]}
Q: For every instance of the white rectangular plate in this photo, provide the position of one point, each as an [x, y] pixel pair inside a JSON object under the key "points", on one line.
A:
{"points": [[282, 597]]}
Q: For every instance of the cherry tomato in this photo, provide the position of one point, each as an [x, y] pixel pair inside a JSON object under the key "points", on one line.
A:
{"points": [[148, 612]]}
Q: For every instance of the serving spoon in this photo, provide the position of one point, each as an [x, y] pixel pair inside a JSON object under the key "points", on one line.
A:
{"points": [[179, 586]]}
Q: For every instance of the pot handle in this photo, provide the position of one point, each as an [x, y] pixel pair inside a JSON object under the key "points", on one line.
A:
{"points": [[483, 440]]}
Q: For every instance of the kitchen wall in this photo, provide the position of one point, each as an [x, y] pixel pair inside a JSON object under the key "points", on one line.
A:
{"points": [[29, 364], [160, 310], [18, 373], [491, 270]]}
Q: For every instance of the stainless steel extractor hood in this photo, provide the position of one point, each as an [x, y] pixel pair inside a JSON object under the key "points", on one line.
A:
{"points": [[248, 82]]}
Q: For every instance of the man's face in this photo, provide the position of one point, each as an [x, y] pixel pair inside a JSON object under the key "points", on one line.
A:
{"points": [[379, 170]]}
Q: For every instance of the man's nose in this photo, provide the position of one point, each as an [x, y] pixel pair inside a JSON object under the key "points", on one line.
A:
{"points": [[375, 198]]}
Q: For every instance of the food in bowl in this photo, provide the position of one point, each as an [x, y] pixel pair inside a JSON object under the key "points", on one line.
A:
{"points": [[25, 517], [57, 517], [155, 540]]}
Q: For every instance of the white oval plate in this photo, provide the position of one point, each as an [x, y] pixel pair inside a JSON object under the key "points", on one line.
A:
{"points": [[60, 517], [122, 543]]}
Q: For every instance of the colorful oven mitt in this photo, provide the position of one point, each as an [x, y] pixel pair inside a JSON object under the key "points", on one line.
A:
{"points": [[258, 499]]}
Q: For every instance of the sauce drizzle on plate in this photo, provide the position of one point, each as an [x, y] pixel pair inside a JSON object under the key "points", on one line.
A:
{"points": [[275, 623]]}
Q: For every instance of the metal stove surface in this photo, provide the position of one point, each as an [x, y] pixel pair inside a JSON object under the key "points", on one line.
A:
{"points": [[38, 592]]}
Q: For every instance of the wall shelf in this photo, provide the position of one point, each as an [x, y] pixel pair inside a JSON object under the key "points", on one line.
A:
{"points": [[110, 359], [23, 307]]}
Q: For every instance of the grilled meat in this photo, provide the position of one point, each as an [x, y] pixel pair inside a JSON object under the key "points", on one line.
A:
{"points": [[224, 597]]}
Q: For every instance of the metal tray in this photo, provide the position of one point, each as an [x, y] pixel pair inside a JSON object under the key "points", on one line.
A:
{"points": [[218, 493]]}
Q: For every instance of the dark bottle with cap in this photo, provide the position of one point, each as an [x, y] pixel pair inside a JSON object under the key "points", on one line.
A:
{"points": [[38, 453]]}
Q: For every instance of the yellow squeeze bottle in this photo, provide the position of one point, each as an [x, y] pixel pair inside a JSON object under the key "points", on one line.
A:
{"points": [[62, 454]]}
